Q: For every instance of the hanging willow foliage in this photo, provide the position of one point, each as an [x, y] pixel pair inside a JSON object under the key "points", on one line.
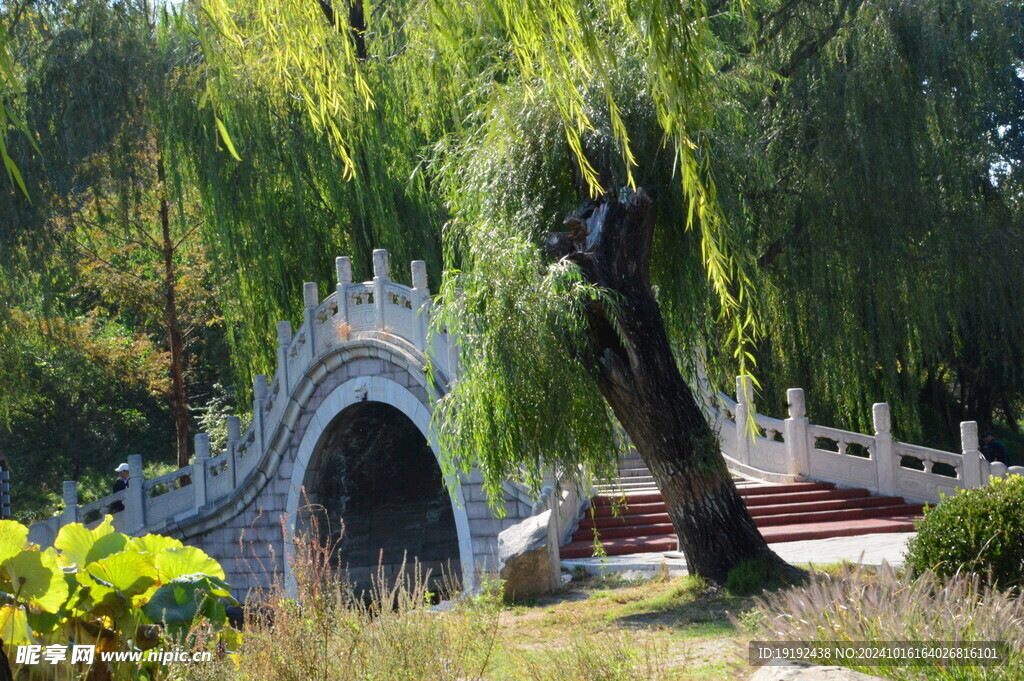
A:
{"points": [[298, 160], [536, 105], [889, 249]]}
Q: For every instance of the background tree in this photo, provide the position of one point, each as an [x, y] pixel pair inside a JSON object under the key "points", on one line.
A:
{"points": [[110, 235], [879, 180]]}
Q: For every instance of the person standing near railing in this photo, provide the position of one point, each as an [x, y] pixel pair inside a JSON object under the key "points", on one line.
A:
{"points": [[993, 450], [120, 484]]}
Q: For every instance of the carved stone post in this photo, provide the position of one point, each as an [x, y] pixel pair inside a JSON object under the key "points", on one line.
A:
{"points": [[70, 514], [135, 499], [259, 401], [234, 435], [343, 266], [886, 462], [284, 341], [420, 296], [974, 472], [554, 537], [199, 469], [310, 300], [381, 277], [745, 411], [795, 434]]}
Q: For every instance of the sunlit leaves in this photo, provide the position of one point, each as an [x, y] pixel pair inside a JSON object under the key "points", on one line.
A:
{"points": [[127, 572], [154, 544], [14, 628], [80, 546], [35, 577], [287, 50], [13, 536], [105, 591], [176, 562]]}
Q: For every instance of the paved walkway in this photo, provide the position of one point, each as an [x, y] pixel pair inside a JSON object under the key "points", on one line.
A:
{"points": [[868, 549]]}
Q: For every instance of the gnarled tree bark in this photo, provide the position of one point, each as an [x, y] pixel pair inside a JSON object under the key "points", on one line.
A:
{"points": [[611, 242]]}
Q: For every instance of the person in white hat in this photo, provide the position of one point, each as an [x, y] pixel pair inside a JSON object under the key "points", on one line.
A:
{"points": [[120, 484]]}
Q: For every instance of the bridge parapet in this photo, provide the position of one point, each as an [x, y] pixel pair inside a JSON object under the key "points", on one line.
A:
{"points": [[367, 316], [777, 450]]}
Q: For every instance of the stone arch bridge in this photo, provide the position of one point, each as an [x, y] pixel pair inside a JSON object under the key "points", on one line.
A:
{"points": [[343, 427], [342, 431]]}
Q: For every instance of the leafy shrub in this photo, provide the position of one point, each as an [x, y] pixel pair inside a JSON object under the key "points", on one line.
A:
{"points": [[856, 605], [977, 530], [103, 588]]}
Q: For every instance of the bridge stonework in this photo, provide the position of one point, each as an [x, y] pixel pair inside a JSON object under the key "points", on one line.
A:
{"points": [[365, 343]]}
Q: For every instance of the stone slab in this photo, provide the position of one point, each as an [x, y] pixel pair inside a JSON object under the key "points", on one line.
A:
{"points": [[869, 549]]}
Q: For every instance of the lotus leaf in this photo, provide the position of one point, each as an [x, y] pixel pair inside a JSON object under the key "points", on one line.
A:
{"points": [[36, 578], [14, 629], [13, 537], [180, 601], [128, 573], [80, 546], [187, 560]]}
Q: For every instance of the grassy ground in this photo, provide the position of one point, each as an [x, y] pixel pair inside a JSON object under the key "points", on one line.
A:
{"points": [[606, 629], [678, 621]]}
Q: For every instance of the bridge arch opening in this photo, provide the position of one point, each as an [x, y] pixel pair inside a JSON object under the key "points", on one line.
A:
{"points": [[373, 472]]}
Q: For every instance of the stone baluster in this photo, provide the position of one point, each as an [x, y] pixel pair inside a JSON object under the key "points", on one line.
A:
{"points": [[420, 296], [70, 514], [310, 301], [284, 341], [795, 433], [551, 494], [199, 467], [381, 277], [135, 495], [974, 471], [259, 402], [343, 265], [234, 435], [745, 411], [886, 462]]}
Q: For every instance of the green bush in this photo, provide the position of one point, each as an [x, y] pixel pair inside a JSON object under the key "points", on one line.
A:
{"points": [[976, 530]]}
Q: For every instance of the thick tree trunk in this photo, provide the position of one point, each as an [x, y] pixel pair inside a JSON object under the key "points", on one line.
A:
{"points": [[640, 379], [179, 398]]}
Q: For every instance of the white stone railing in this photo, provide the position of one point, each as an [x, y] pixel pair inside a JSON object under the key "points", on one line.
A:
{"points": [[794, 449], [566, 495], [378, 309]]}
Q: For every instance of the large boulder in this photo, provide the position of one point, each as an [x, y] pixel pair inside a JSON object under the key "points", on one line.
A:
{"points": [[523, 558]]}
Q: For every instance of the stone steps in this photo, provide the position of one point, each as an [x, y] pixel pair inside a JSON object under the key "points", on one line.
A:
{"points": [[787, 512]]}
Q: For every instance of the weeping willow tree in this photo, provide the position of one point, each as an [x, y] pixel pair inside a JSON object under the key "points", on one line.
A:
{"points": [[534, 108], [298, 159], [880, 182], [623, 182]]}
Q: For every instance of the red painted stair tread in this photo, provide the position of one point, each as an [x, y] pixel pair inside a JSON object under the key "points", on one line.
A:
{"points": [[790, 512]]}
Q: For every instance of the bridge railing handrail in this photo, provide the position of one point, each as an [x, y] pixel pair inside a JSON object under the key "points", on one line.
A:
{"points": [[884, 466], [378, 306]]}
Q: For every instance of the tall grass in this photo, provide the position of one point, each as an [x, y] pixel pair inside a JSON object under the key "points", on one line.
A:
{"points": [[322, 630], [855, 605]]}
